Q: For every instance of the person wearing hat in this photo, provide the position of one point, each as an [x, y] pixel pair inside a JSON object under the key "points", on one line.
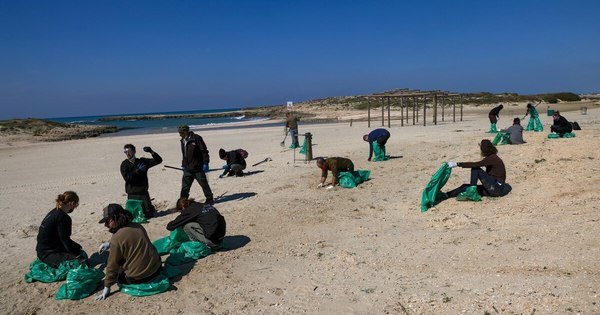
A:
{"points": [[515, 132], [54, 243], [194, 163], [291, 126], [132, 259], [201, 222], [236, 164], [135, 174]]}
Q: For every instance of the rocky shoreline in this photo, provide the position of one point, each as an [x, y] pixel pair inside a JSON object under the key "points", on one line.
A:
{"points": [[34, 130]]}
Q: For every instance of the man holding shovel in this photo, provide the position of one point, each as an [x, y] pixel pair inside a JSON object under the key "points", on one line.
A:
{"points": [[291, 126]]}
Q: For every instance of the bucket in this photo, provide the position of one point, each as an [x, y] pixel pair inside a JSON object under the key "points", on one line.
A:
{"points": [[584, 111], [550, 112]]}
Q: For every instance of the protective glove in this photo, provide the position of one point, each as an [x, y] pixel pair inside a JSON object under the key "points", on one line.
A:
{"points": [[205, 168], [320, 185], [452, 164], [104, 294], [221, 176], [141, 167], [148, 149], [103, 247]]}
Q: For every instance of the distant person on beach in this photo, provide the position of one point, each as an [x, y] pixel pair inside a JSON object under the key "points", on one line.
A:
{"points": [[493, 179], [534, 119], [515, 132], [54, 243], [135, 173], [494, 116], [291, 125], [194, 163], [560, 124], [380, 136], [336, 165], [201, 222], [235, 163], [132, 259]]}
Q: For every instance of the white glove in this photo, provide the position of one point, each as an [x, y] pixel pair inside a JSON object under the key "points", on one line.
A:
{"points": [[104, 294], [103, 247], [452, 164], [320, 185]]}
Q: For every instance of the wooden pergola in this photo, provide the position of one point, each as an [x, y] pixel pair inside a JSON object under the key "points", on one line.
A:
{"points": [[417, 98]]}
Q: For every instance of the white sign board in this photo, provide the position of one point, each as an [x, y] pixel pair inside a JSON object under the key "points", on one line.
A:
{"points": [[290, 106]]}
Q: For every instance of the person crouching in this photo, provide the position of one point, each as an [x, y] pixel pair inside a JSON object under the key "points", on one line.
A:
{"points": [[201, 222]]}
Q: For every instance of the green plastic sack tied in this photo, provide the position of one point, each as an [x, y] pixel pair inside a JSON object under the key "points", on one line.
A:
{"points": [[180, 248], [432, 193], [379, 153], [135, 207], [493, 128], [501, 137], [294, 145], [81, 283], [351, 179], [303, 150], [40, 271], [172, 242], [158, 284], [470, 194], [556, 135]]}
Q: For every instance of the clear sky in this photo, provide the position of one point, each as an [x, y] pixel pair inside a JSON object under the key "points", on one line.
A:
{"points": [[75, 58]]}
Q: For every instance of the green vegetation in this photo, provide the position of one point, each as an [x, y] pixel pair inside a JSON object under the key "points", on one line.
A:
{"points": [[29, 125], [554, 98]]}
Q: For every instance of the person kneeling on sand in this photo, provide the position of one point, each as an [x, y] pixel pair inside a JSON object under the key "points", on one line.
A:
{"points": [[235, 163], [135, 173], [336, 165], [54, 243], [132, 259], [561, 125], [493, 179], [201, 222], [515, 132]]}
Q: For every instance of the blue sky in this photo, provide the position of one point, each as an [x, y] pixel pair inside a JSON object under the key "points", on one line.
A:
{"points": [[75, 58]]}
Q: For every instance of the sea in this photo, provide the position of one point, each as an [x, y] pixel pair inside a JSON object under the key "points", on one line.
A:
{"points": [[135, 126]]}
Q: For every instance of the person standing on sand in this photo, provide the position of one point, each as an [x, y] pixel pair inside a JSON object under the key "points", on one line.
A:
{"points": [[493, 179], [54, 243], [515, 132], [494, 116], [132, 259], [291, 125], [534, 119], [194, 163], [135, 174], [380, 136], [336, 165]]}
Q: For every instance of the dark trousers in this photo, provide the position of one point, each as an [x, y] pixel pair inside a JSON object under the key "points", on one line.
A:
{"points": [[489, 185], [188, 179], [55, 259], [122, 278], [147, 205], [561, 130], [493, 119]]}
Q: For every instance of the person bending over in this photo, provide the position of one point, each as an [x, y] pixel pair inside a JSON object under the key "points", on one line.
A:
{"points": [[493, 179], [54, 243], [336, 165], [381, 136], [235, 163], [201, 222]]}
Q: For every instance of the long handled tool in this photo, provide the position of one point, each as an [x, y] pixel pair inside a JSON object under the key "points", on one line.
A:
{"points": [[263, 161], [282, 143], [173, 167]]}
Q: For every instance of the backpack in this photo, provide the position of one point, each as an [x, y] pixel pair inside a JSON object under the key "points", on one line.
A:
{"points": [[243, 153], [575, 126]]}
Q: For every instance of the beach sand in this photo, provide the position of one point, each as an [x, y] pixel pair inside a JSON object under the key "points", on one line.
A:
{"points": [[299, 249]]}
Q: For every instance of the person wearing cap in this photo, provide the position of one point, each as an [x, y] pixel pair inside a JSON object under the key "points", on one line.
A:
{"points": [[54, 243], [560, 124], [132, 259], [201, 222], [194, 163], [336, 165], [494, 116], [515, 132], [291, 125], [493, 179], [135, 174], [235, 163], [380, 136]]}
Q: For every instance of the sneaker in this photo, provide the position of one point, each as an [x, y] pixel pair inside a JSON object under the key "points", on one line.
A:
{"points": [[239, 174]]}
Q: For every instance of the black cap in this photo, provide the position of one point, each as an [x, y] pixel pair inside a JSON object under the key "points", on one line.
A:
{"points": [[109, 212], [183, 128]]}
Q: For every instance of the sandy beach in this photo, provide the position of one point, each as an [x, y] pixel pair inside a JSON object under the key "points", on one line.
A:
{"points": [[368, 250]]}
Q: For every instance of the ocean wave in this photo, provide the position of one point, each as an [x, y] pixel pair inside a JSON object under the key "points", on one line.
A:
{"points": [[81, 121], [240, 117], [255, 119]]}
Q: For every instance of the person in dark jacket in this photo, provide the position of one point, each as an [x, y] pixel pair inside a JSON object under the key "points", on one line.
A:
{"points": [[381, 136], [201, 222], [135, 173], [494, 115], [194, 163], [493, 179], [54, 243], [336, 165], [561, 125], [235, 163]]}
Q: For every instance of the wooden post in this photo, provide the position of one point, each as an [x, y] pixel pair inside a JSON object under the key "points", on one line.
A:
{"points": [[382, 112], [424, 110], [388, 112], [443, 103], [453, 111], [461, 108], [369, 112], [406, 112], [402, 111], [414, 109], [350, 122], [435, 109]]}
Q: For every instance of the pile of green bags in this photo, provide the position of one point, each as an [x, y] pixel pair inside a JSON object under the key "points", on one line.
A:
{"points": [[135, 207], [556, 135], [501, 137]]}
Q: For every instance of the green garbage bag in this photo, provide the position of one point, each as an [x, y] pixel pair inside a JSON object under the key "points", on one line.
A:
{"points": [[81, 283], [553, 135], [168, 243], [470, 194], [135, 207], [379, 153], [432, 193], [569, 135], [501, 137], [294, 145], [193, 249], [351, 179], [493, 128], [158, 284], [40, 271], [556, 135], [303, 150]]}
